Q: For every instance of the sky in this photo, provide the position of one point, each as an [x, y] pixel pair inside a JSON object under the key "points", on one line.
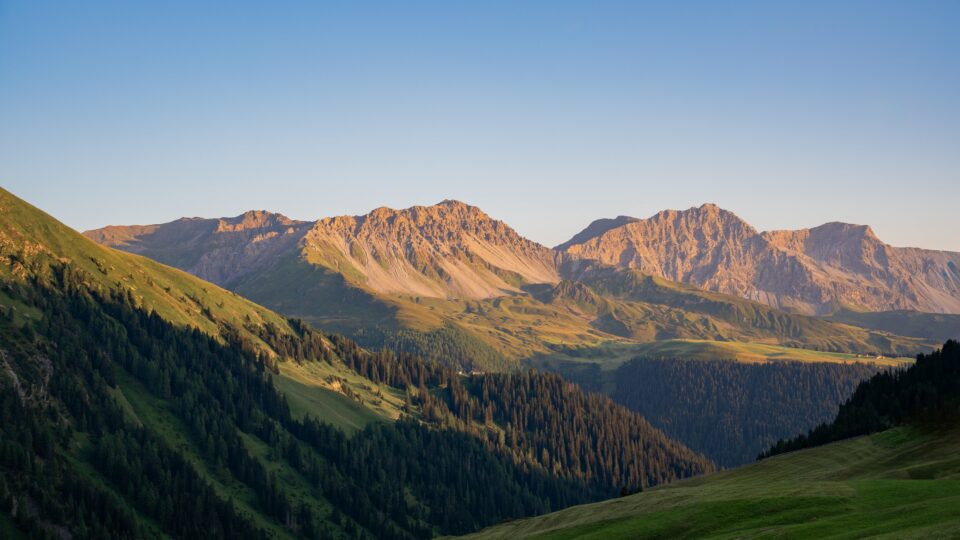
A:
{"points": [[547, 115]]}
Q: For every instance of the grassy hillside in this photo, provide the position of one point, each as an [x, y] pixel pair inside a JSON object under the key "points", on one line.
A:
{"points": [[31, 241], [935, 326], [902, 483], [733, 318], [318, 389], [611, 355], [757, 353], [639, 310], [33, 244], [669, 320]]}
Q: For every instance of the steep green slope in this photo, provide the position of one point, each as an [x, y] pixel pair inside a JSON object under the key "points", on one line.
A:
{"points": [[31, 240], [34, 245], [902, 483]]}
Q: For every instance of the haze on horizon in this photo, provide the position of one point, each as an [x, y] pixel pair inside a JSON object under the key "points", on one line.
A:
{"points": [[545, 115]]}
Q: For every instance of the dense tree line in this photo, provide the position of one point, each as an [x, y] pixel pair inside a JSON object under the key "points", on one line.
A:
{"points": [[407, 480], [731, 411], [447, 345], [926, 392], [573, 433], [40, 483], [537, 417]]}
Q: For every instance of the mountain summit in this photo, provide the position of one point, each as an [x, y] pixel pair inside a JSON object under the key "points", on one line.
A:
{"points": [[448, 250], [811, 271]]}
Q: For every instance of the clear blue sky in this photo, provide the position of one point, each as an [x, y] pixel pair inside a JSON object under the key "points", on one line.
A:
{"points": [[545, 114]]}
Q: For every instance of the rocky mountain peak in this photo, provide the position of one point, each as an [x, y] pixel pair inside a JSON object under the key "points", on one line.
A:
{"points": [[254, 219], [708, 218], [809, 270], [449, 249]]}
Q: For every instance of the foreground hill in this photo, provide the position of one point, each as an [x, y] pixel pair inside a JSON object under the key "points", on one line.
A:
{"points": [[811, 271], [901, 483], [31, 241], [126, 415], [451, 282]]}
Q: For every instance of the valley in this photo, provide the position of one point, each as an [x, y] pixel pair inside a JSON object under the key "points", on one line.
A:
{"points": [[453, 285], [461, 361], [485, 270]]}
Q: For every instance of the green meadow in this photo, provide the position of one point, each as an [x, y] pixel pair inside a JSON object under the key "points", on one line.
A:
{"points": [[902, 483]]}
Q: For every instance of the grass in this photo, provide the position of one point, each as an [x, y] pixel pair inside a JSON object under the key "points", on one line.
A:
{"points": [[612, 355], [523, 326], [935, 326], [755, 353], [36, 238], [312, 388], [902, 483]]}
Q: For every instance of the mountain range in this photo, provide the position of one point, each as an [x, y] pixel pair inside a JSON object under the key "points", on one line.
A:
{"points": [[699, 274], [813, 271]]}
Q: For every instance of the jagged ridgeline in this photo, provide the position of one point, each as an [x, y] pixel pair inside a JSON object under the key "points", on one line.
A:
{"points": [[450, 282], [138, 401]]}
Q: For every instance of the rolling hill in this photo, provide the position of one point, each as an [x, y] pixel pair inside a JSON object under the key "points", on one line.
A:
{"points": [[900, 483]]}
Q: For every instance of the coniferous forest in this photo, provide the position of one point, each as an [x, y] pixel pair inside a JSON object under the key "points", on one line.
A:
{"points": [[926, 393], [223, 456], [731, 411]]}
